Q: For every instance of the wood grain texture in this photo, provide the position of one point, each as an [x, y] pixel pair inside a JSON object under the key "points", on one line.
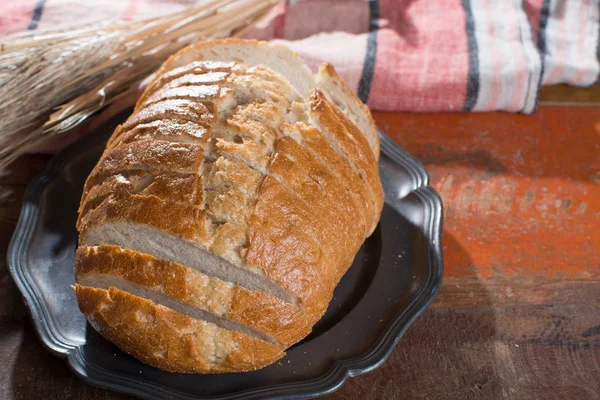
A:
{"points": [[570, 95], [518, 315]]}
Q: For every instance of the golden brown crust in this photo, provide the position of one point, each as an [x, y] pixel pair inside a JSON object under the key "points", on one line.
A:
{"points": [[182, 109], [326, 69], [164, 130], [255, 309], [232, 158], [315, 143], [306, 202], [169, 340], [182, 188], [149, 154], [164, 169], [183, 220], [289, 254], [351, 143], [189, 92]]}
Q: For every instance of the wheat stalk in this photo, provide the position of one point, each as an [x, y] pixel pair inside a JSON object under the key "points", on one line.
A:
{"points": [[50, 83]]}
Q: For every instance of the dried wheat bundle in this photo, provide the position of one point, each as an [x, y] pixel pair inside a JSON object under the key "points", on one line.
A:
{"points": [[50, 83]]}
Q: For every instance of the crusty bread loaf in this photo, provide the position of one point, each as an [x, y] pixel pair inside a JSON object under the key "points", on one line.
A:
{"points": [[225, 210]]}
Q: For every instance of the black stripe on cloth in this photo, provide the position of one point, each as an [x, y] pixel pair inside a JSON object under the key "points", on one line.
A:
{"points": [[598, 44], [37, 15], [530, 74], [473, 75], [543, 23], [544, 15], [364, 85]]}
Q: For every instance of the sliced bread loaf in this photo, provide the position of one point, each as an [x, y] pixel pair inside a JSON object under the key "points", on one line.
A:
{"points": [[225, 210]]}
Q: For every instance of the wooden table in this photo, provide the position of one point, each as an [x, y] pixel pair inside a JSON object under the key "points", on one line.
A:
{"points": [[518, 315]]}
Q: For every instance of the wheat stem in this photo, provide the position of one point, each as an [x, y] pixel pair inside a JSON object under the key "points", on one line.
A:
{"points": [[51, 82]]}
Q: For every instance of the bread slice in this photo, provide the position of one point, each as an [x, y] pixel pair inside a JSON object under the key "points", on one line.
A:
{"points": [[192, 293], [178, 188], [165, 338], [336, 90], [159, 242], [345, 138], [225, 210]]}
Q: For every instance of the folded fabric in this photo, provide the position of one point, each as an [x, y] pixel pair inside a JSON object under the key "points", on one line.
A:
{"points": [[409, 55]]}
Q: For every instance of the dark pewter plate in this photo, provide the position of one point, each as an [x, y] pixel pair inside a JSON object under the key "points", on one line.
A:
{"points": [[395, 276]]}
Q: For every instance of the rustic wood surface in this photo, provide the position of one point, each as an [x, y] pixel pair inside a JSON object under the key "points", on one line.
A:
{"points": [[518, 315]]}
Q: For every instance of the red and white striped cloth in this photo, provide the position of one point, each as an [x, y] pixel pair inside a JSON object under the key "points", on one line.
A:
{"points": [[415, 55]]}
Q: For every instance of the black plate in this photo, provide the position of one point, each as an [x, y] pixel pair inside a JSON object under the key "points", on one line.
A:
{"points": [[395, 276]]}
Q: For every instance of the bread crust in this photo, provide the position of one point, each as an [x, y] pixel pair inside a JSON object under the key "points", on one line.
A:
{"points": [[318, 228], [255, 309], [183, 220], [168, 340], [352, 144], [244, 159], [328, 78]]}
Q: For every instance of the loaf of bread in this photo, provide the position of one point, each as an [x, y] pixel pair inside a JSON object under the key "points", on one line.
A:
{"points": [[225, 210]]}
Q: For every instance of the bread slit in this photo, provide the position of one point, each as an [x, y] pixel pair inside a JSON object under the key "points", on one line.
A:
{"points": [[95, 181], [189, 92], [167, 129], [101, 281], [190, 78], [210, 92], [204, 77], [209, 68], [334, 143], [166, 246], [181, 109]]}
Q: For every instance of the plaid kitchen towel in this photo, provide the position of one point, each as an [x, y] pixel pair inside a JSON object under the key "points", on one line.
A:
{"points": [[400, 55]]}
